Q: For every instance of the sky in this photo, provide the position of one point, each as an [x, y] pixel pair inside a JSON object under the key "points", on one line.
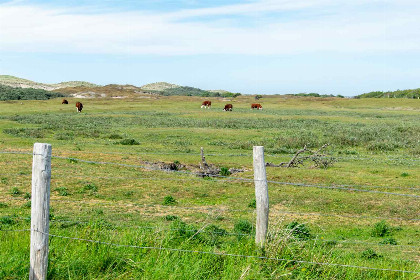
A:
{"points": [[249, 46]]}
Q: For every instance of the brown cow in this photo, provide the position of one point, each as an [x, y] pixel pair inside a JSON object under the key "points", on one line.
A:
{"points": [[256, 106], [64, 101], [79, 107], [228, 107], [206, 104]]}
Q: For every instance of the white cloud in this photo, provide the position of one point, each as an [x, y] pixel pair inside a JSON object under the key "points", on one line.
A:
{"points": [[352, 27]]}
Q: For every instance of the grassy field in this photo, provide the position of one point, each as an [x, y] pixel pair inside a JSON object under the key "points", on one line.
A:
{"points": [[375, 144]]}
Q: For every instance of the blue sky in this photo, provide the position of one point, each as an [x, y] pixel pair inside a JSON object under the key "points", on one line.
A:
{"points": [[249, 46]]}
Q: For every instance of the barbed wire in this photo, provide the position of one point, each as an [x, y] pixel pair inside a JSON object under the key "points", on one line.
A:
{"points": [[15, 230], [226, 179], [389, 158], [318, 238], [233, 178], [339, 187], [201, 208], [223, 254]]}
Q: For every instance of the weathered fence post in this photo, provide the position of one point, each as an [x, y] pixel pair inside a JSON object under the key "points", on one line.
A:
{"points": [[261, 195], [40, 211]]}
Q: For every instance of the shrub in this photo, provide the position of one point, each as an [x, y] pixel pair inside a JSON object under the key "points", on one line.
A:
{"points": [[171, 217], [27, 195], [390, 241], [129, 193], [224, 171], [3, 205], [212, 234], [63, 191], [15, 191], [243, 227], [169, 200], [7, 221], [252, 204], [90, 187], [381, 229], [405, 174], [299, 231], [72, 160], [129, 142], [27, 204], [370, 254]]}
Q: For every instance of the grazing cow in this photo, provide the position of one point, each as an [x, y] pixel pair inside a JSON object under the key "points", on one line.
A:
{"points": [[256, 106], [79, 107], [228, 107], [64, 101], [206, 104]]}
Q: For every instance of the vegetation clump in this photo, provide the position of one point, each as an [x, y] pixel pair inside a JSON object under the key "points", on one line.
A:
{"points": [[169, 200], [15, 191], [370, 254], [129, 142], [299, 231], [381, 229], [243, 227], [11, 93], [406, 93], [252, 204]]}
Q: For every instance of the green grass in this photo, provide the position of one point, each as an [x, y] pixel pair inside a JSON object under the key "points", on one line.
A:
{"points": [[374, 141]]}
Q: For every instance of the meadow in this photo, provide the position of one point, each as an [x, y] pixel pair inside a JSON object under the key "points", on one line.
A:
{"points": [[371, 231]]}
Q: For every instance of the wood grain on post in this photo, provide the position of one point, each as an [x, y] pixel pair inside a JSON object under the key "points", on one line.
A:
{"points": [[40, 211], [261, 196]]}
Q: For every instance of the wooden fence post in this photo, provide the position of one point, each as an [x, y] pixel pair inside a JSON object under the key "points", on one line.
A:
{"points": [[261, 196], [40, 211]]}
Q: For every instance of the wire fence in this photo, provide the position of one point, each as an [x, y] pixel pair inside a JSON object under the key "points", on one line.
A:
{"points": [[146, 167], [316, 238], [381, 158], [219, 178], [225, 179], [224, 254]]}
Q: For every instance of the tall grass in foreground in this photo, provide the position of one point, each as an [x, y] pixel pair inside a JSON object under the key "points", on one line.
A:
{"points": [[81, 259]]}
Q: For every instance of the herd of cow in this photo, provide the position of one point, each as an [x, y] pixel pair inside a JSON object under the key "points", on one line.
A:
{"points": [[228, 107], [206, 104]]}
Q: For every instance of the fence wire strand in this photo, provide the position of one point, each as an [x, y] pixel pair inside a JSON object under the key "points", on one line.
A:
{"points": [[225, 254], [337, 187]]}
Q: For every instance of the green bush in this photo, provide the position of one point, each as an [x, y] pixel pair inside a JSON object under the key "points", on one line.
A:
{"points": [[15, 191], [243, 227], [390, 241], [169, 200], [63, 191], [90, 187], [11, 93], [7, 221], [224, 171], [381, 229], [252, 204], [370, 254], [299, 231], [171, 217], [129, 142]]}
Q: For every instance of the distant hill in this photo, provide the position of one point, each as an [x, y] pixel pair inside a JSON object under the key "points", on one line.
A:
{"points": [[167, 89], [406, 93], [12, 93], [88, 90], [159, 86], [108, 91], [16, 82]]}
